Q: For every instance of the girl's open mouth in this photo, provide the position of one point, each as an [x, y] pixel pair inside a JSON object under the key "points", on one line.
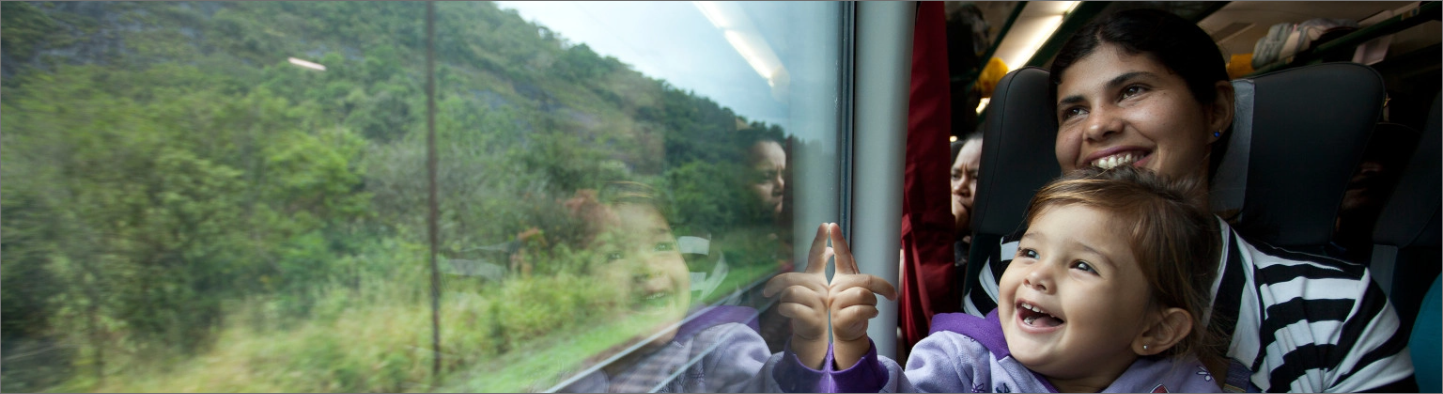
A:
{"points": [[1034, 316]]}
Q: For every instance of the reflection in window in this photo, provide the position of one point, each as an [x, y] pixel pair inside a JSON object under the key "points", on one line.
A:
{"points": [[232, 196]]}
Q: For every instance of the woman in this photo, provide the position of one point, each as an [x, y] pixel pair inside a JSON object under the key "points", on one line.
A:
{"points": [[966, 158], [1148, 89]]}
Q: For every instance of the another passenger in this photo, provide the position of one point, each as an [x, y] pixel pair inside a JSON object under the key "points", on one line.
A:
{"points": [[1106, 293], [1383, 161], [966, 158]]}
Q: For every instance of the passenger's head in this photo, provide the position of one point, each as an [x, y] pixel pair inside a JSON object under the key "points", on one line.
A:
{"points": [[1387, 153], [768, 163], [966, 158], [1140, 87], [1115, 265], [639, 252]]}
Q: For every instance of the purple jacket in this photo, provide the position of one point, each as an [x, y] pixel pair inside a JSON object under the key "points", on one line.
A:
{"points": [[965, 353]]}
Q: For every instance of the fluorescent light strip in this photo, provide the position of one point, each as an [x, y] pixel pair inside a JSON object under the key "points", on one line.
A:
{"points": [[712, 13], [748, 52], [306, 64]]}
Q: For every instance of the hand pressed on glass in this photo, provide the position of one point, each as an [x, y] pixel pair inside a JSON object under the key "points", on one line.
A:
{"points": [[807, 298]]}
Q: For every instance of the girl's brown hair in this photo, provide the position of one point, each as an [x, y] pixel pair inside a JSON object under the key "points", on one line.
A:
{"points": [[1174, 239]]}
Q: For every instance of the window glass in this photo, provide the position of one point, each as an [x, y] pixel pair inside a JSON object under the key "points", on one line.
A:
{"points": [[236, 196]]}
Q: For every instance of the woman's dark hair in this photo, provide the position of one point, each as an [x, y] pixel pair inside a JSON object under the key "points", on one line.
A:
{"points": [[1179, 45]]}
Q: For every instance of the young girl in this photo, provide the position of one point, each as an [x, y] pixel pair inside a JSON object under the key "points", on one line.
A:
{"points": [[1106, 293]]}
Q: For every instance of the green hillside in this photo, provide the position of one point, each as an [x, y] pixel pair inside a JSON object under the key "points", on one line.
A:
{"points": [[187, 211]]}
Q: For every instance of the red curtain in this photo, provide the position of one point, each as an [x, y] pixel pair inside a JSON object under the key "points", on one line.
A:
{"points": [[927, 280]]}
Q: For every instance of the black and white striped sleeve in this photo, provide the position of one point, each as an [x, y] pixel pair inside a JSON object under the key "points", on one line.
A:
{"points": [[1315, 324]]}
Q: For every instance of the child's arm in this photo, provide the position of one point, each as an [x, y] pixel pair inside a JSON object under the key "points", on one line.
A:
{"points": [[804, 300], [853, 302]]}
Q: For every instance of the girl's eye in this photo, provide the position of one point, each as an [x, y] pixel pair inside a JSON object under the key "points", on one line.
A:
{"points": [[1028, 253], [663, 247], [1084, 266]]}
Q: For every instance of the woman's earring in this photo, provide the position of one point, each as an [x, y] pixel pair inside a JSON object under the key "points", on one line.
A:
{"points": [[1217, 134], [1144, 348]]}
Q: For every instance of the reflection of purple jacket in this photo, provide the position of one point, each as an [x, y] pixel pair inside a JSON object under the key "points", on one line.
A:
{"points": [[965, 353], [717, 350]]}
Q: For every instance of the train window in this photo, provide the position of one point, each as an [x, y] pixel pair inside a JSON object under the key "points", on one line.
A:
{"points": [[376, 196]]}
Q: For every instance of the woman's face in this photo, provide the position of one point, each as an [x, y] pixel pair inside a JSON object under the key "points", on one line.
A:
{"points": [[769, 162], [964, 185], [1116, 108]]}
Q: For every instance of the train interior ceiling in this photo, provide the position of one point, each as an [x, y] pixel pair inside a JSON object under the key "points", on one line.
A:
{"points": [[1403, 49]]}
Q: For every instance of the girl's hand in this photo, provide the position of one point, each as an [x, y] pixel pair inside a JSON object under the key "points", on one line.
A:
{"points": [[804, 300], [852, 303]]}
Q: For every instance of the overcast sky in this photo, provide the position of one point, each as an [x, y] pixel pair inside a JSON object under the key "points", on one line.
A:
{"points": [[671, 41]]}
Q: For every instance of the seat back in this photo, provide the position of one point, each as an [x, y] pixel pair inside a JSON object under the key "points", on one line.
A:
{"points": [[1406, 251], [1017, 159], [1296, 139], [1297, 136]]}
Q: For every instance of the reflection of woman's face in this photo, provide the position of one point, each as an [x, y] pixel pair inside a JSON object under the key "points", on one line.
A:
{"points": [[768, 163], [1116, 108], [642, 259]]}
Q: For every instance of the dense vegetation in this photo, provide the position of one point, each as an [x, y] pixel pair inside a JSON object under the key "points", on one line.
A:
{"points": [[184, 210]]}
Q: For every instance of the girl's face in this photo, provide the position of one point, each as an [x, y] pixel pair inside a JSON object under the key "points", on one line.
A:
{"points": [[1073, 300], [643, 260], [1116, 108]]}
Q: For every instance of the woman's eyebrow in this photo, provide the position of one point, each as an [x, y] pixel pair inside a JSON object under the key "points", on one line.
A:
{"points": [[1124, 78], [1112, 84]]}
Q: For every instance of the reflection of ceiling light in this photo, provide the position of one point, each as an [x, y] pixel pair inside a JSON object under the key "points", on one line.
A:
{"points": [[762, 65], [744, 37], [1047, 26], [983, 104], [306, 64], [712, 13]]}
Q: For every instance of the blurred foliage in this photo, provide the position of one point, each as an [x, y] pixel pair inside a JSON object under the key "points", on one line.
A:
{"points": [[176, 190]]}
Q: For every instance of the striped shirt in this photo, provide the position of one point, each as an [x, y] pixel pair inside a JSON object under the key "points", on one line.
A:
{"points": [[1299, 322]]}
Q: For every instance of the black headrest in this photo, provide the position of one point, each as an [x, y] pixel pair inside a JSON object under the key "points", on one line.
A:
{"points": [[1017, 151], [1299, 134], [1410, 218]]}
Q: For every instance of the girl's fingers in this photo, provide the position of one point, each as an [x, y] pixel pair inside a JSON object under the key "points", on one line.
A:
{"points": [[782, 281], [845, 263], [853, 296], [875, 284], [803, 296], [817, 256]]}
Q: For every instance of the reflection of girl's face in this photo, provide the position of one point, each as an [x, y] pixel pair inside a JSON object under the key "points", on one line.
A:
{"points": [[642, 259], [768, 164], [1116, 108]]}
